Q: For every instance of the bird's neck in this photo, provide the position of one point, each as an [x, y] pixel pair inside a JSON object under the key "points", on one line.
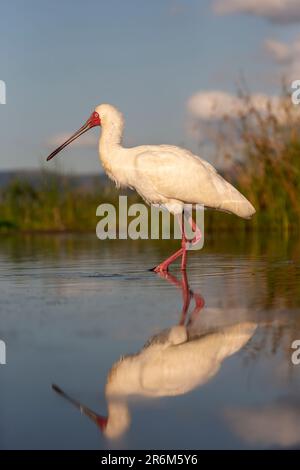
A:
{"points": [[111, 136], [111, 150]]}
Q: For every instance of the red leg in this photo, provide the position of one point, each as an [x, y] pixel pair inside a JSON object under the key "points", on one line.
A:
{"points": [[163, 267], [186, 298], [187, 294], [196, 230], [199, 304], [183, 246]]}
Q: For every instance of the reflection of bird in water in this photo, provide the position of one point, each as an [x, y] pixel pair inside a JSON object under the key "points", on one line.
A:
{"points": [[173, 362]]}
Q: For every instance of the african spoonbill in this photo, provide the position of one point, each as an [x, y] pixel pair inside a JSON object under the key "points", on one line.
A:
{"points": [[162, 174]]}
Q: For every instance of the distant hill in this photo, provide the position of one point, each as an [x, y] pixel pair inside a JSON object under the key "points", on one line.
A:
{"points": [[37, 177]]}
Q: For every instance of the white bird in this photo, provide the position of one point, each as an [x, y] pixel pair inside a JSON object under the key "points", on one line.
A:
{"points": [[163, 175]]}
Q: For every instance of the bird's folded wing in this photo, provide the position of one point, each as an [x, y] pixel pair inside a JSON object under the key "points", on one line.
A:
{"points": [[177, 174]]}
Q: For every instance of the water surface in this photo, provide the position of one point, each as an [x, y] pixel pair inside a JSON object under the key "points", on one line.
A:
{"points": [[217, 376]]}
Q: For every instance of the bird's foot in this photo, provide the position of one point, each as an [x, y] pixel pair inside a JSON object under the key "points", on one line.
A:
{"points": [[160, 268]]}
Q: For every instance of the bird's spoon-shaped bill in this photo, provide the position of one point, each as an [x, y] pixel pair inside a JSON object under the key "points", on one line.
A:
{"points": [[94, 120]]}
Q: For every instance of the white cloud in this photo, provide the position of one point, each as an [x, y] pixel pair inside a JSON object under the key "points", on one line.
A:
{"points": [[279, 51], [212, 105], [287, 55], [276, 11], [207, 110], [85, 140], [206, 123], [215, 105]]}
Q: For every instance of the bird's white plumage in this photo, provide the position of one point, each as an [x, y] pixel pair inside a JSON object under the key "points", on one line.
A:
{"points": [[165, 174]]}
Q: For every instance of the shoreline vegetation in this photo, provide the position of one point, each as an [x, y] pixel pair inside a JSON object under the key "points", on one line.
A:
{"points": [[261, 149]]}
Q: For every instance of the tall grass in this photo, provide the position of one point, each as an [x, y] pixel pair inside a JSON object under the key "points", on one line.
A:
{"points": [[263, 160], [54, 204]]}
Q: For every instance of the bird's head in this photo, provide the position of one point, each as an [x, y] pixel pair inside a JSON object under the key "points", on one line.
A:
{"points": [[103, 115]]}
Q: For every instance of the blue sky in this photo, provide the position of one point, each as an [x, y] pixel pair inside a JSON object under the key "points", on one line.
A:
{"points": [[60, 59]]}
